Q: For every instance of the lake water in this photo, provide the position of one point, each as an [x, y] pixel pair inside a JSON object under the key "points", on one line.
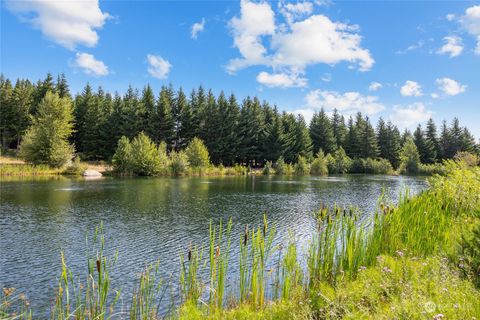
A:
{"points": [[156, 219]]}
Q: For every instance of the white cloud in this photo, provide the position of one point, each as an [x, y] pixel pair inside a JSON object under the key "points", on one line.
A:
{"points": [[294, 11], [374, 86], [307, 114], [412, 47], [453, 46], [435, 95], [256, 20], [159, 67], [317, 39], [90, 65], [292, 48], [450, 87], [348, 102], [327, 77], [197, 28], [283, 80], [471, 23], [68, 23], [411, 89], [450, 17], [410, 115]]}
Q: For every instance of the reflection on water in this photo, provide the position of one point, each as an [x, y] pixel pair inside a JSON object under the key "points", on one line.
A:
{"points": [[150, 219]]}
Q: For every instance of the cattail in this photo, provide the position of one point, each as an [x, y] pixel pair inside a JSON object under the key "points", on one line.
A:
{"points": [[245, 236], [98, 265], [189, 254], [217, 252]]}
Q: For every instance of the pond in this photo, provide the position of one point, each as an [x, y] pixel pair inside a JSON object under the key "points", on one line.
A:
{"points": [[154, 219]]}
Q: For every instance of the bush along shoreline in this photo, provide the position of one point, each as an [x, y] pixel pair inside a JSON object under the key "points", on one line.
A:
{"points": [[417, 260]]}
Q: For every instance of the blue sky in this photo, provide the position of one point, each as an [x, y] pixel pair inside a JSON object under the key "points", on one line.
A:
{"points": [[404, 60]]}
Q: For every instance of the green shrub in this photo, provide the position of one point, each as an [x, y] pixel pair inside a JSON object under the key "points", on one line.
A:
{"points": [[468, 158], [372, 166], [267, 169], [197, 154], [431, 169], [410, 158], [319, 165], [280, 167], [76, 168], [122, 159], [339, 162], [145, 156], [301, 167], [178, 163]]}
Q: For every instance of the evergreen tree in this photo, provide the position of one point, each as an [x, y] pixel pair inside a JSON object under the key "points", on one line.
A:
{"points": [[46, 140], [339, 129], [146, 113], [252, 131], [274, 139], [321, 133], [6, 111], [368, 140], [431, 140], [166, 120], [61, 87], [180, 107], [420, 142]]}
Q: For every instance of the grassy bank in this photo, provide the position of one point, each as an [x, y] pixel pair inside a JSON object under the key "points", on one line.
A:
{"points": [[418, 260]]}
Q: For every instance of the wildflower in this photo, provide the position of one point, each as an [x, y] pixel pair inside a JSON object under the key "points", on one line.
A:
{"points": [[362, 268], [399, 253], [387, 270], [438, 316]]}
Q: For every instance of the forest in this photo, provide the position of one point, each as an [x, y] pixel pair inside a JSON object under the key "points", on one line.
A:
{"points": [[235, 131]]}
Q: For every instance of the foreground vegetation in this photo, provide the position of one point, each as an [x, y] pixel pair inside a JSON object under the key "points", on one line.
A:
{"points": [[419, 260]]}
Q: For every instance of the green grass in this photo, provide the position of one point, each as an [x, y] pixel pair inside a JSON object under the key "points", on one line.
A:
{"points": [[413, 261]]}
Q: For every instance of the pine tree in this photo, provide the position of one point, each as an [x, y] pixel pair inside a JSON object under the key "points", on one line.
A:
{"points": [[46, 140], [321, 133], [146, 112], [431, 141], [422, 147], [370, 145], [166, 120], [180, 107], [339, 129], [274, 139], [6, 111], [61, 87]]}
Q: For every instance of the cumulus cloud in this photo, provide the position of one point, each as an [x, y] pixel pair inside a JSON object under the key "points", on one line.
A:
{"points": [[411, 115], [90, 65], [294, 11], [411, 89], [348, 102], [283, 80], [307, 114], [453, 46], [158, 67], [471, 23], [450, 87], [68, 23], [197, 28], [256, 20], [374, 86], [291, 49]]}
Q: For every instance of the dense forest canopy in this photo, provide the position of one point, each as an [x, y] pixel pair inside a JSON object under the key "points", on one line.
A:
{"points": [[249, 131]]}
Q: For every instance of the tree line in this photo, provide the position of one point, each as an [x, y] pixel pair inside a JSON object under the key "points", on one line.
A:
{"points": [[250, 131]]}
